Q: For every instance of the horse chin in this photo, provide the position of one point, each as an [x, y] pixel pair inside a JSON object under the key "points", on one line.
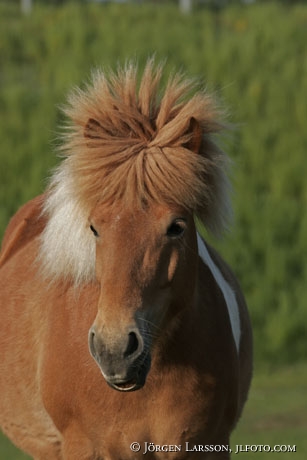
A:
{"points": [[136, 382], [129, 385]]}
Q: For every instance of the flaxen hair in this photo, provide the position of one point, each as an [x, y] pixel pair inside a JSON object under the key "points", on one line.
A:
{"points": [[132, 141]]}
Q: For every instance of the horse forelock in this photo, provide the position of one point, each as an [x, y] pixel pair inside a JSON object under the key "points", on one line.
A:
{"points": [[67, 246], [132, 141]]}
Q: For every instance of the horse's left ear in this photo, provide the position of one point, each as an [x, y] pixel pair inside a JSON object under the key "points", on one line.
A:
{"points": [[93, 129], [195, 131]]}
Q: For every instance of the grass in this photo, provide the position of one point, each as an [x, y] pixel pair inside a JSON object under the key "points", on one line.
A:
{"points": [[275, 414], [255, 58]]}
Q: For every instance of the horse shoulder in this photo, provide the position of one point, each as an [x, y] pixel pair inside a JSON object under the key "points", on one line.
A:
{"points": [[25, 225]]}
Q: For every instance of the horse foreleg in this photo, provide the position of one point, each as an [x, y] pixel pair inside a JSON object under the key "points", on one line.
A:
{"points": [[76, 445]]}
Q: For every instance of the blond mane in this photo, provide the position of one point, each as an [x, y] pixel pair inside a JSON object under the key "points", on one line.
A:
{"points": [[133, 141]]}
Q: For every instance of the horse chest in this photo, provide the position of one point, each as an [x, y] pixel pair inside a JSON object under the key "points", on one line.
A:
{"points": [[158, 422], [158, 434]]}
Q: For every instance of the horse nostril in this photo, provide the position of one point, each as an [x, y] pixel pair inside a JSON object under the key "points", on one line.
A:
{"points": [[91, 338], [132, 345]]}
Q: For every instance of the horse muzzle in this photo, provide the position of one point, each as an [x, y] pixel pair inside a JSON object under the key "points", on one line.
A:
{"points": [[124, 362]]}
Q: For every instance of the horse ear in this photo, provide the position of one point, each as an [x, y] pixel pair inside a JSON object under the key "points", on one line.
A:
{"points": [[93, 129], [195, 131]]}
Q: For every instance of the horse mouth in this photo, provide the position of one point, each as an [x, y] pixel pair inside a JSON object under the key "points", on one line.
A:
{"points": [[132, 383], [129, 385]]}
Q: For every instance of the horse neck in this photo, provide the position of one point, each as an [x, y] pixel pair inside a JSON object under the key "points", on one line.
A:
{"points": [[182, 327]]}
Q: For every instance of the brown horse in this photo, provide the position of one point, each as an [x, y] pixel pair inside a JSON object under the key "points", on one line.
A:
{"points": [[123, 333]]}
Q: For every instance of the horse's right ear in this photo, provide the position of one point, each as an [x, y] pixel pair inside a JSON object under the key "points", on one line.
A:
{"points": [[93, 129], [196, 134]]}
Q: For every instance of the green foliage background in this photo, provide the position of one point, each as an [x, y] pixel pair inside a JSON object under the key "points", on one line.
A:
{"points": [[254, 57]]}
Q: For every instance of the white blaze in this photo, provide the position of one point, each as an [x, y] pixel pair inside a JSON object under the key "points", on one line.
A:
{"points": [[229, 295]]}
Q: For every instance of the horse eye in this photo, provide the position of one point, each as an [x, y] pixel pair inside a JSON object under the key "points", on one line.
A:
{"points": [[94, 230], [176, 229]]}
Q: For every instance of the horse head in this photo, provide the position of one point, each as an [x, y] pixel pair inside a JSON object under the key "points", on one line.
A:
{"points": [[145, 263], [140, 163]]}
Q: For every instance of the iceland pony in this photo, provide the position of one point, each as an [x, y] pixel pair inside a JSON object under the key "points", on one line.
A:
{"points": [[119, 323]]}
